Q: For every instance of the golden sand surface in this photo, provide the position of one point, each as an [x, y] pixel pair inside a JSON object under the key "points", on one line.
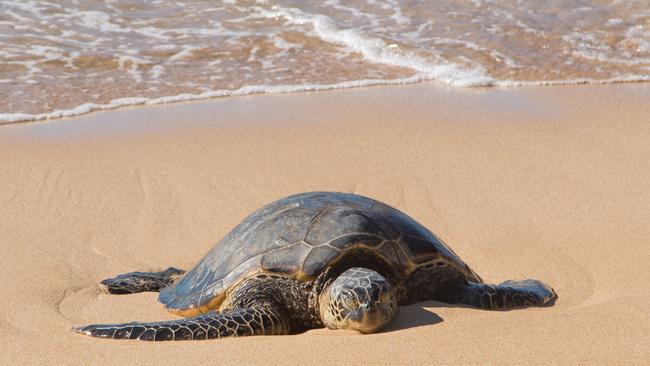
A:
{"points": [[550, 183]]}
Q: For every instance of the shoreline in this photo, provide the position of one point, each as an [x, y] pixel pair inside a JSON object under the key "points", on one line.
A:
{"points": [[260, 90], [174, 113], [548, 183]]}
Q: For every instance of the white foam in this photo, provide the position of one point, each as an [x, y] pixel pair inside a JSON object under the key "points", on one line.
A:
{"points": [[376, 50], [398, 15], [282, 43], [157, 71], [9, 118], [6, 118], [613, 21], [184, 54], [589, 46], [496, 55], [577, 81]]}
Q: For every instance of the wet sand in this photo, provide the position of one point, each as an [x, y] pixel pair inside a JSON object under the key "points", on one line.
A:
{"points": [[547, 182]]}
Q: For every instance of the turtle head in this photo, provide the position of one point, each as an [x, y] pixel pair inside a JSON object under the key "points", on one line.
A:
{"points": [[359, 299]]}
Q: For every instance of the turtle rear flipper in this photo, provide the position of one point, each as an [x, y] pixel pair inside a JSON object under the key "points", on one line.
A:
{"points": [[133, 282], [508, 295]]}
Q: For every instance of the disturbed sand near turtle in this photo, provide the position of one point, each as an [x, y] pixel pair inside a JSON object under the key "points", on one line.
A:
{"points": [[549, 183]]}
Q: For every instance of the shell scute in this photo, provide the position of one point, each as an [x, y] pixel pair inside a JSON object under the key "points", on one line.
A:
{"points": [[287, 259], [285, 229], [369, 240], [394, 252], [420, 249], [335, 222], [318, 259]]}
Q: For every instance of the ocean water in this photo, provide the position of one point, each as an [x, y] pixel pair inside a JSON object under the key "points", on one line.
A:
{"points": [[69, 57]]}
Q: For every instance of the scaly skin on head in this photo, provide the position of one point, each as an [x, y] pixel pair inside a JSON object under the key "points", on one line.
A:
{"points": [[359, 299]]}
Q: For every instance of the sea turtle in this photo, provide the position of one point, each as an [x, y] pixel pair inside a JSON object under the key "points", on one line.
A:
{"points": [[310, 260]]}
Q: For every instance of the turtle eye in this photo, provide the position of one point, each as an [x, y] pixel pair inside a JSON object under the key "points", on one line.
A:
{"points": [[350, 301]]}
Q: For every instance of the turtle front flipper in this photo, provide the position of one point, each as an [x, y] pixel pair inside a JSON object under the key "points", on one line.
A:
{"points": [[257, 320], [508, 294], [133, 282]]}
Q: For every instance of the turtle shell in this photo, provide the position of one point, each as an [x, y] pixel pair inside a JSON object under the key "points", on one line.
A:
{"points": [[300, 236]]}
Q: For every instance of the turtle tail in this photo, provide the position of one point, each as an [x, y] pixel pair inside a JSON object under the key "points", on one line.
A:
{"points": [[259, 320]]}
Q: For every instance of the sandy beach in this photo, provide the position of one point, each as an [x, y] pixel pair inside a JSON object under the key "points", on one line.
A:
{"points": [[544, 182]]}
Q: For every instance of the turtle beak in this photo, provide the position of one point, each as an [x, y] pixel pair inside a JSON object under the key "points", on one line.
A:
{"points": [[370, 318], [355, 317]]}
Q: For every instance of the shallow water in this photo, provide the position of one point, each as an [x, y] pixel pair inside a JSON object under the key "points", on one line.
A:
{"points": [[70, 57]]}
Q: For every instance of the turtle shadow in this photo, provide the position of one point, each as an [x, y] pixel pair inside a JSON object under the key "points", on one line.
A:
{"points": [[413, 316]]}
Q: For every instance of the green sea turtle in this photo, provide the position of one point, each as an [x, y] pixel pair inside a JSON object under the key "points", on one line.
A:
{"points": [[311, 260]]}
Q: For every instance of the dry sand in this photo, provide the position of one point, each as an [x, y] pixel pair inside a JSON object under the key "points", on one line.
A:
{"points": [[547, 182]]}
